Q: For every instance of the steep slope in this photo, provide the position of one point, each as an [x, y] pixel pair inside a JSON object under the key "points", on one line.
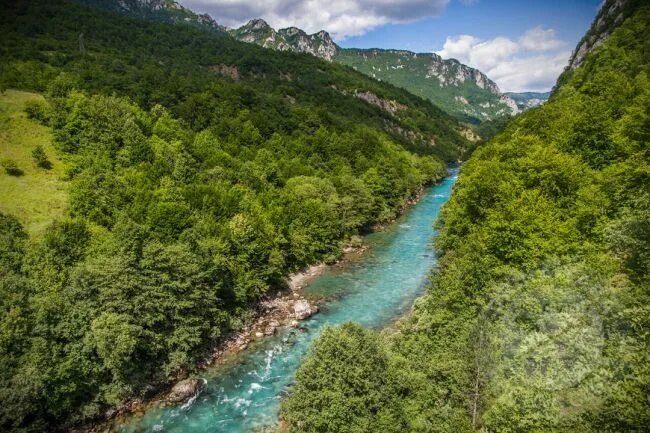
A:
{"points": [[463, 91], [458, 89], [538, 316], [258, 31], [166, 11], [527, 100], [202, 171]]}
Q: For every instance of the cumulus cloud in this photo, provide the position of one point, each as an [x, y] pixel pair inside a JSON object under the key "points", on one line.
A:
{"points": [[342, 18], [538, 39], [532, 62]]}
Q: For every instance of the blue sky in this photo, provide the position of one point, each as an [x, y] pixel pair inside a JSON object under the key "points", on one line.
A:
{"points": [[485, 19], [522, 45]]}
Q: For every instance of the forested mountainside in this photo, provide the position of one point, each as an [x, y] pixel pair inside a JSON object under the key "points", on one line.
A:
{"points": [[458, 89], [166, 11], [190, 173], [537, 318]]}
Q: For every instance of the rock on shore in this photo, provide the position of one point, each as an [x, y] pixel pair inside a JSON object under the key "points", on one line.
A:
{"points": [[302, 309], [184, 389]]}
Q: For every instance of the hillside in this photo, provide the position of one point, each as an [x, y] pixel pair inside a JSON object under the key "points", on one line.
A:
{"points": [[165, 11], [537, 317], [458, 89], [199, 172], [527, 100], [36, 196]]}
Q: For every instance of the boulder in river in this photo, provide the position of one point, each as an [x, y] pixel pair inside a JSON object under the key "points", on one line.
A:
{"points": [[184, 389], [302, 309]]}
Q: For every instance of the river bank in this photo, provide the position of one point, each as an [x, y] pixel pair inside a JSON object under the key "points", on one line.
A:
{"points": [[273, 312], [243, 389]]}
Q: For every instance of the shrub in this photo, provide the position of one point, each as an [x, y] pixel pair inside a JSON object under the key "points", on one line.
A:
{"points": [[40, 157], [37, 110], [11, 168]]}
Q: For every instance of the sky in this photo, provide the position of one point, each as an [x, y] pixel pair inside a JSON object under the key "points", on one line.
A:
{"points": [[523, 45]]}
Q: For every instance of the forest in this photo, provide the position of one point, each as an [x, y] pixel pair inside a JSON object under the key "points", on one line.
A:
{"points": [[198, 172], [537, 317]]}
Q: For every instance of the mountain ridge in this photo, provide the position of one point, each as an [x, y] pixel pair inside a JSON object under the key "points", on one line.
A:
{"points": [[461, 90]]}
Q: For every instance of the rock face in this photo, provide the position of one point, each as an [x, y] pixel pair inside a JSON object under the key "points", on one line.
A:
{"points": [[527, 100], [226, 70], [184, 390], [391, 107], [302, 309], [611, 14], [259, 32]]}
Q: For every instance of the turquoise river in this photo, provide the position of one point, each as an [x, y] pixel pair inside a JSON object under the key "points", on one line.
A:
{"points": [[243, 394]]}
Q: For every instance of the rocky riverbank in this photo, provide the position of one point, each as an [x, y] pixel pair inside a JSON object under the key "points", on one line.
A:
{"points": [[282, 308]]}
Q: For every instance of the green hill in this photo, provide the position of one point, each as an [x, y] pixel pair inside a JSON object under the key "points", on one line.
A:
{"points": [[37, 196], [537, 317]]}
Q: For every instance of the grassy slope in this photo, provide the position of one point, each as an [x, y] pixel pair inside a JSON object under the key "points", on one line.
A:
{"points": [[39, 195]]}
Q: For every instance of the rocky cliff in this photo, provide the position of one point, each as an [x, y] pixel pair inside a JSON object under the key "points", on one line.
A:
{"points": [[611, 15], [527, 100], [258, 31]]}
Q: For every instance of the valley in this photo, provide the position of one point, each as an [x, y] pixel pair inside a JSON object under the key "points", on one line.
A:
{"points": [[242, 229]]}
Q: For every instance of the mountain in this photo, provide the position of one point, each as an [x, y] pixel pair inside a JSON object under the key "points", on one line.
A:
{"points": [[613, 13], [537, 315], [289, 39], [166, 11], [458, 89], [527, 100]]}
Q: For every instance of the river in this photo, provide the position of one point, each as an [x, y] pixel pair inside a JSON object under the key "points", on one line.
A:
{"points": [[243, 393]]}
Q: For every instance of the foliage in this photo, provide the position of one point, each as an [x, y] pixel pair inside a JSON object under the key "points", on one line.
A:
{"points": [[189, 195], [465, 100], [39, 196], [40, 157], [11, 167], [537, 318], [345, 385]]}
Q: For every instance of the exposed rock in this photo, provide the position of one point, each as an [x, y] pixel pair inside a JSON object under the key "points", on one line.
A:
{"points": [[302, 309], [470, 135], [184, 389], [451, 72], [527, 100], [226, 70], [257, 31], [611, 14], [386, 105], [512, 105], [259, 334], [295, 324], [270, 330]]}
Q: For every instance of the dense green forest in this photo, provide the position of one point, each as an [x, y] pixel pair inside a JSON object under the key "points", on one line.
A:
{"points": [[537, 317], [198, 172]]}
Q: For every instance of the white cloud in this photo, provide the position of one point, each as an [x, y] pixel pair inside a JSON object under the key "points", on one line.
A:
{"points": [[538, 39], [533, 62], [342, 18]]}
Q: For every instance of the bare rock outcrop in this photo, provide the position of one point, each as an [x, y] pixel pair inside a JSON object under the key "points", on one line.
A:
{"points": [[184, 390]]}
